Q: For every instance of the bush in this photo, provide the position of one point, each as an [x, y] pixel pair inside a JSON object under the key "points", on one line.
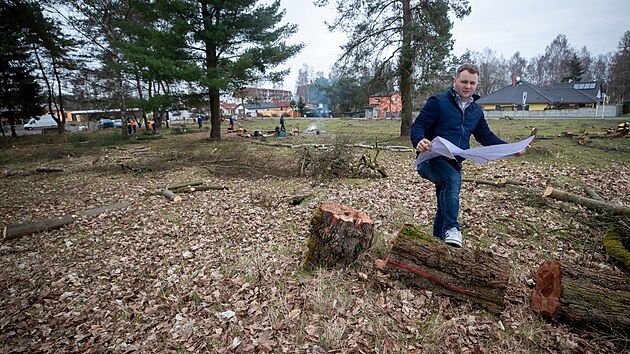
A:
{"points": [[330, 162]]}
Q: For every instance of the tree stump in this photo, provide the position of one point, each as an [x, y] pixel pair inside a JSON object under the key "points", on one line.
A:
{"points": [[339, 234], [423, 261], [595, 299]]}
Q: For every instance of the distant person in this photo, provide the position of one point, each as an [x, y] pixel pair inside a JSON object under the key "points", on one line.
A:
{"points": [[133, 126], [129, 128], [454, 116], [232, 123], [199, 121], [282, 127]]}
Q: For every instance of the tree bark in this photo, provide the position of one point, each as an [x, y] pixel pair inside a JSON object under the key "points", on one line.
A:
{"points": [[405, 70], [339, 234], [595, 299], [423, 261], [17, 230], [592, 204]]}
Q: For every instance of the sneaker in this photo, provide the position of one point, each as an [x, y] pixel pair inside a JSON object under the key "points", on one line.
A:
{"points": [[453, 237]]}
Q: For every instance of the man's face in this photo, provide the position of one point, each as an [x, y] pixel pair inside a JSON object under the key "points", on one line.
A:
{"points": [[465, 84]]}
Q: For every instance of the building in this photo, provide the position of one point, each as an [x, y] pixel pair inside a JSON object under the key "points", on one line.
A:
{"points": [[384, 106], [253, 94], [522, 95]]}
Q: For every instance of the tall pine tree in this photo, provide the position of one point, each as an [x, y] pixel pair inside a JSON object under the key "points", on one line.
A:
{"points": [[411, 35]]}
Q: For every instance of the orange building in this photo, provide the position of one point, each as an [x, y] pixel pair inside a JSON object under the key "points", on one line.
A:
{"points": [[388, 106]]}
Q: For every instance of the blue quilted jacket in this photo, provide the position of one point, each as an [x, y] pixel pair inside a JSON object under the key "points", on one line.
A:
{"points": [[442, 116]]}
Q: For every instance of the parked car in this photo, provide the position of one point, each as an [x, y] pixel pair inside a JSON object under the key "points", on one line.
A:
{"points": [[105, 123], [117, 123]]}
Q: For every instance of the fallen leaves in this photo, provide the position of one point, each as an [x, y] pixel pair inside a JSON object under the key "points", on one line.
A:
{"points": [[221, 270]]}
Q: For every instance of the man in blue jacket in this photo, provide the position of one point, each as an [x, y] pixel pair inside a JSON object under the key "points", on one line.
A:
{"points": [[454, 116]]}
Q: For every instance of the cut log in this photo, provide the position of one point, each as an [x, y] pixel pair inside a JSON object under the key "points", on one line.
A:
{"points": [[616, 242], [17, 230], [186, 184], [592, 204], [171, 196], [595, 299], [423, 261], [484, 181], [198, 188], [49, 169], [591, 193], [338, 235]]}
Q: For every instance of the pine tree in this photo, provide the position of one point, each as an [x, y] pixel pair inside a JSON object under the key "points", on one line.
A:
{"points": [[410, 35]]}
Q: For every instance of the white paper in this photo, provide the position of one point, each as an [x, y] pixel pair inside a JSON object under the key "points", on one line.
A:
{"points": [[443, 147]]}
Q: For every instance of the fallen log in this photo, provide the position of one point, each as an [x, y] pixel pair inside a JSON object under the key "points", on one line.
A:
{"points": [[484, 181], [48, 169], [18, 230], [186, 184], [338, 235], [423, 261], [615, 241], [594, 299], [597, 205], [198, 188], [591, 193], [171, 196]]}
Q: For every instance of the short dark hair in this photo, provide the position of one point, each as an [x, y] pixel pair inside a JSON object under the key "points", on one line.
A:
{"points": [[467, 67]]}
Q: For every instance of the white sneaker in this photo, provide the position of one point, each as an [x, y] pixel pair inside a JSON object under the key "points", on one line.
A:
{"points": [[453, 237]]}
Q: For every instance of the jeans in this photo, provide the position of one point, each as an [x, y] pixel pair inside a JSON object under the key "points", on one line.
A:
{"points": [[447, 176]]}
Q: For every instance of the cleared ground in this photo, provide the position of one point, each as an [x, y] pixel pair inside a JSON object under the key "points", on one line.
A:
{"points": [[221, 270]]}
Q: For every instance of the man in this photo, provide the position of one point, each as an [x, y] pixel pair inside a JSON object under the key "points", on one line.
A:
{"points": [[282, 127], [454, 116]]}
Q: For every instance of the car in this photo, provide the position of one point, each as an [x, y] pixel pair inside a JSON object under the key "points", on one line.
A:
{"points": [[105, 123], [117, 123]]}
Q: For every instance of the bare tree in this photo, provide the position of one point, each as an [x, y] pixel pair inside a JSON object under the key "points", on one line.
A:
{"points": [[516, 66], [493, 70], [620, 71]]}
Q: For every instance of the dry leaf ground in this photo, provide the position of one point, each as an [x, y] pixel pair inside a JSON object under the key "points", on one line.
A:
{"points": [[221, 271]]}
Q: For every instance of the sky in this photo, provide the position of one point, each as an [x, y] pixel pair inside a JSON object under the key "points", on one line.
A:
{"points": [[505, 26]]}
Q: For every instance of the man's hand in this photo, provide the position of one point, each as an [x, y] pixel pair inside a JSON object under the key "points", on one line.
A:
{"points": [[522, 152], [424, 145]]}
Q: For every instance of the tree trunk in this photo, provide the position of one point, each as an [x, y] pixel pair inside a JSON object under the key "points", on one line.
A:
{"points": [[17, 230], [423, 261], [592, 204], [405, 72], [339, 234], [596, 299]]}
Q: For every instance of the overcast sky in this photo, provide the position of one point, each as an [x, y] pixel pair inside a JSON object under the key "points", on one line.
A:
{"points": [[505, 26]]}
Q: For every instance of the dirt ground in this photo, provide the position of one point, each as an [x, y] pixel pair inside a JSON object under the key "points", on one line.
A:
{"points": [[221, 271]]}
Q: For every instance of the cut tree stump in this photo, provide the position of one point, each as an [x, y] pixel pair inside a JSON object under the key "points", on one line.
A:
{"points": [[339, 234], [423, 261], [593, 204], [581, 297], [17, 230]]}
